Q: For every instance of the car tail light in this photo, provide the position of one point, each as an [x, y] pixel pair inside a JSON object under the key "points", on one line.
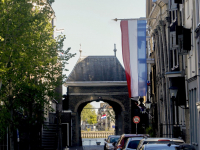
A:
{"points": [[119, 146], [163, 140]]}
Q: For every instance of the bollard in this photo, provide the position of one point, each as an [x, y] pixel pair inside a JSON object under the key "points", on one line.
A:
{"points": [[89, 142]]}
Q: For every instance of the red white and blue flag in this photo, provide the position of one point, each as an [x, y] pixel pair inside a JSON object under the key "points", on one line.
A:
{"points": [[134, 56], [103, 117]]}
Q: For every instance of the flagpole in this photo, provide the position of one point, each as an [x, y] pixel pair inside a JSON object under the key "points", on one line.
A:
{"points": [[106, 123], [141, 18]]}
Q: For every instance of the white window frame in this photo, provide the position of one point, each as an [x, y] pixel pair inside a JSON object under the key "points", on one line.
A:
{"points": [[175, 64], [188, 8], [197, 12]]}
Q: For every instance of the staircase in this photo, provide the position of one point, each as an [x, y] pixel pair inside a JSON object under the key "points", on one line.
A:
{"points": [[49, 137]]}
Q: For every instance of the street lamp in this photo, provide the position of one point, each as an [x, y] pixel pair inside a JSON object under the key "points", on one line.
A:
{"points": [[148, 104], [173, 91]]}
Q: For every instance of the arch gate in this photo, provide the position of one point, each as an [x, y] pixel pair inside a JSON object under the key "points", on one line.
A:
{"points": [[91, 78]]}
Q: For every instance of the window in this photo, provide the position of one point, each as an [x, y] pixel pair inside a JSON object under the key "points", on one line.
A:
{"points": [[198, 9], [188, 8], [149, 47], [197, 12], [173, 16], [153, 44], [174, 60]]}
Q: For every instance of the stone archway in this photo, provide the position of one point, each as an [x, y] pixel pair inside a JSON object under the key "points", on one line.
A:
{"points": [[119, 100], [93, 77]]}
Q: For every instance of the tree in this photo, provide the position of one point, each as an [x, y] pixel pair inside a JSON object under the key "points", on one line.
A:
{"points": [[88, 114], [30, 67], [92, 119]]}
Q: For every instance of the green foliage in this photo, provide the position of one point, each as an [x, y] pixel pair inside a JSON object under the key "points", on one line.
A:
{"points": [[150, 131], [92, 119], [30, 67], [88, 114]]}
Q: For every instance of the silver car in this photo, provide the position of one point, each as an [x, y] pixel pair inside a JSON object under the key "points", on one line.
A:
{"points": [[159, 140], [111, 139], [132, 143], [167, 147]]}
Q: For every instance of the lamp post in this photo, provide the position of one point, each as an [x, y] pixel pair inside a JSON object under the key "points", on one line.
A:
{"points": [[173, 93], [104, 110], [148, 104]]}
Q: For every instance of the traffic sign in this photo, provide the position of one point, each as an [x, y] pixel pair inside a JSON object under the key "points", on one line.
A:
{"points": [[136, 119]]}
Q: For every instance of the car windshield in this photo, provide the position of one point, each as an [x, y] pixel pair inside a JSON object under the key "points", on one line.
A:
{"points": [[133, 144], [113, 139]]}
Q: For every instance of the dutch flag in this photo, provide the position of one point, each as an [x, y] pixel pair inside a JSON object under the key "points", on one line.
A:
{"points": [[103, 117], [134, 56]]}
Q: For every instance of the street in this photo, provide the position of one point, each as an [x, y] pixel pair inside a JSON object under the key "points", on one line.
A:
{"points": [[87, 147], [93, 147]]}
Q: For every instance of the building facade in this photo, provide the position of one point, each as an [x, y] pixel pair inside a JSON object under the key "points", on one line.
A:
{"points": [[173, 42], [108, 123]]}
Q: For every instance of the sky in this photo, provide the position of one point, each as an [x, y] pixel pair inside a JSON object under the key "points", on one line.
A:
{"points": [[90, 23]]}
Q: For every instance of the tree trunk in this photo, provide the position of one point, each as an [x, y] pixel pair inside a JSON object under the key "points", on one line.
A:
{"points": [[11, 126], [11, 134]]}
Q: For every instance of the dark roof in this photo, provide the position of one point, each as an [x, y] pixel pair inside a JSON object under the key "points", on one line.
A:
{"points": [[97, 68]]}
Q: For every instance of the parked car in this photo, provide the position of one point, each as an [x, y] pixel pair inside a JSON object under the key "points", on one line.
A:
{"points": [[123, 138], [132, 143], [108, 142], [167, 147], [159, 140]]}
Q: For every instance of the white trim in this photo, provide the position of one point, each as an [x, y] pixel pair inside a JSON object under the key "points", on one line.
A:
{"points": [[95, 83]]}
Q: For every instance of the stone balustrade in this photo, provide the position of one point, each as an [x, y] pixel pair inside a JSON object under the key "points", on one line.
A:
{"points": [[96, 134]]}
